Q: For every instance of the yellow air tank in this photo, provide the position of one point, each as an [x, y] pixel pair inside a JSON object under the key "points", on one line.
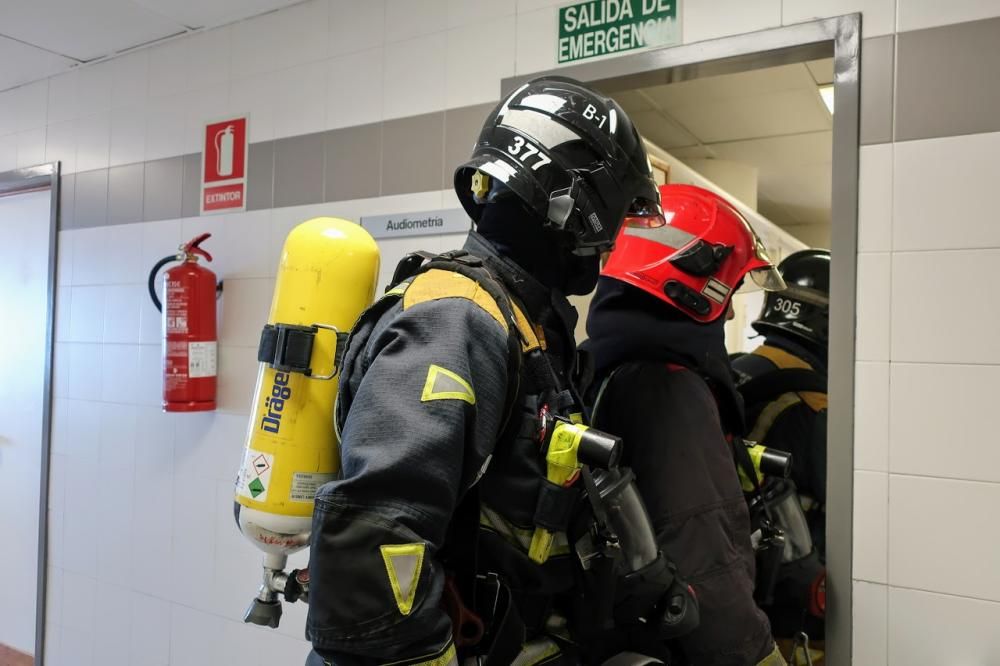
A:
{"points": [[326, 278]]}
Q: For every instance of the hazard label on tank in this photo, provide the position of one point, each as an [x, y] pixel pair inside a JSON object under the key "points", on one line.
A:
{"points": [[305, 485], [255, 475]]}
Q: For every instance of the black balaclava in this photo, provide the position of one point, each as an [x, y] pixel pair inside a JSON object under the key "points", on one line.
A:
{"points": [[517, 233]]}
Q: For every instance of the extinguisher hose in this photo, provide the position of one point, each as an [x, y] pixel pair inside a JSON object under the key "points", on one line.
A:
{"points": [[152, 279]]}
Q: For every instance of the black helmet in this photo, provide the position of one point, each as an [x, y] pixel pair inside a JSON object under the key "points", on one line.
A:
{"points": [[571, 155], [803, 309]]}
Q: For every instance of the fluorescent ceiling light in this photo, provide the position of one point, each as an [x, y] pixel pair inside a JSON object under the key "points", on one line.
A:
{"points": [[826, 92]]}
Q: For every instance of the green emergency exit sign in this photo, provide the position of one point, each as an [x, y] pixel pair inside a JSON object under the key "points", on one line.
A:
{"points": [[600, 27]]}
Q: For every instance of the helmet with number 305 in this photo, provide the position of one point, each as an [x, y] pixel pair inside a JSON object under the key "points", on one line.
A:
{"points": [[803, 309], [571, 155]]}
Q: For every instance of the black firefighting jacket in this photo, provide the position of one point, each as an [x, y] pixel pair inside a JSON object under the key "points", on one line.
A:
{"points": [[784, 413], [671, 398], [793, 421], [425, 411]]}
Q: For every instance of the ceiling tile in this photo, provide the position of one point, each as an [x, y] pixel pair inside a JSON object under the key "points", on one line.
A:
{"points": [[713, 89], [632, 100], [84, 30], [661, 130], [821, 70], [773, 114], [779, 152], [702, 152], [199, 13], [20, 63], [771, 119]]}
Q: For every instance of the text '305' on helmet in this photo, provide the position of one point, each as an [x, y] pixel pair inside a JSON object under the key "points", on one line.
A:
{"points": [[803, 309], [695, 257], [570, 154]]}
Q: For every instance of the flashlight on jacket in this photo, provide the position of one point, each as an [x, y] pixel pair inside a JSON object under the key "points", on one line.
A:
{"points": [[766, 461], [647, 589], [568, 445]]}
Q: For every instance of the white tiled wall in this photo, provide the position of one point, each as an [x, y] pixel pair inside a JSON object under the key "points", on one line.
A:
{"points": [[930, 629], [939, 186], [941, 537], [146, 566], [707, 19], [871, 611], [919, 14], [871, 496], [875, 198]]}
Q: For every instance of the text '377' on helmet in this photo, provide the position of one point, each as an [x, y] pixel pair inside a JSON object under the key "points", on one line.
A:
{"points": [[803, 309], [570, 154], [695, 257]]}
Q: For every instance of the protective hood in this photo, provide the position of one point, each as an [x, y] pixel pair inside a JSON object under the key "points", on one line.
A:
{"points": [[626, 324]]}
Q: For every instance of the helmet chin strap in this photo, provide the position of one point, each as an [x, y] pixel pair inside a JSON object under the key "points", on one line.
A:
{"points": [[572, 209]]}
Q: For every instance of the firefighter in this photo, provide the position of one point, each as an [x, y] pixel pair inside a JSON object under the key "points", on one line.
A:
{"points": [[419, 550], [783, 383], [656, 334]]}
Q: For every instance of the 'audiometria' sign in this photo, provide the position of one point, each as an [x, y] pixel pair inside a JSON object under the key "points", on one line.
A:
{"points": [[423, 223]]}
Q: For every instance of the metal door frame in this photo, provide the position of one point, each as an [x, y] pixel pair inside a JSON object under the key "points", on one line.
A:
{"points": [[13, 183], [839, 37]]}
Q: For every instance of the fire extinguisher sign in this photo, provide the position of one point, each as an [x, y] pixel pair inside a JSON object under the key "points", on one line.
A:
{"points": [[224, 166]]}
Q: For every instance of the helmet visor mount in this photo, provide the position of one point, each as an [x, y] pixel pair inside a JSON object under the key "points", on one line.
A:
{"points": [[768, 278]]}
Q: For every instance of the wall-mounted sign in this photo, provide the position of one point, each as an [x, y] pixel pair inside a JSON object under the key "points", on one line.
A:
{"points": [[424, 223], [600, 27], [224, 166]]}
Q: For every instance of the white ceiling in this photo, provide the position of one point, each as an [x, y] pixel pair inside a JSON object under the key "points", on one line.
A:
{"points": [[40, 38], [772, 119]]}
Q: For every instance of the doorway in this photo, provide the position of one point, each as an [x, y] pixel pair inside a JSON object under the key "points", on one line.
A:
{"points": [[27, 270], [821, 58]]}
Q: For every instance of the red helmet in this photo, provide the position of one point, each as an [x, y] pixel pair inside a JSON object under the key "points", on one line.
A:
{"points": [[695, 257]]}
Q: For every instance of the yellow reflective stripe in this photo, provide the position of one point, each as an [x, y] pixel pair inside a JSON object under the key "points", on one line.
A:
{"points": [[437, 283], [770, 414], [532, 337], [799, 658], [781, 358], [443, 384], [536, 652], [403, 563], [773, 659], [518, 536], [398, 290], [447, 658], [816, 401]]}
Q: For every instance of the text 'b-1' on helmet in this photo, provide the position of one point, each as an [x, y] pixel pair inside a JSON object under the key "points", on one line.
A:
{"points": [[803, 309], [695, 257], [570, 154]]}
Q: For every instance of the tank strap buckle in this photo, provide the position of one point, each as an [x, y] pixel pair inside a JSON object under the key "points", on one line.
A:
{"points": [[288, 348]]}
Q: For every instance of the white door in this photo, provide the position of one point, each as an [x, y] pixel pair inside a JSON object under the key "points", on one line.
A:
{"points": [[24, 287]]}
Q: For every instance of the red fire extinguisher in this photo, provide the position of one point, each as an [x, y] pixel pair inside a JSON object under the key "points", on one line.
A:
{"points": [[189, 331]]}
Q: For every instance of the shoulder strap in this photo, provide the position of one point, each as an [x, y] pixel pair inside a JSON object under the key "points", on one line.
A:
{"points": [[433, 276], [769, 386]]}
